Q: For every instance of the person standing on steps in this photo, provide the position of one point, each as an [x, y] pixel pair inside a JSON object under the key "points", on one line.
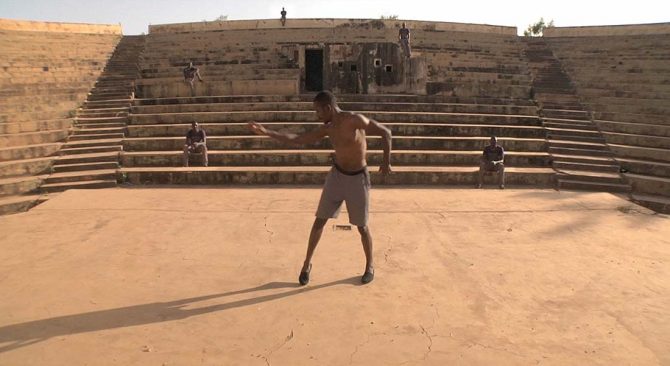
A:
{"points": [[190, 73], [348, 179], [283, 17], [404, 38]]}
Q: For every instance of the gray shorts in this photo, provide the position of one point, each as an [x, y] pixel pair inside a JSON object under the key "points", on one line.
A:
{"points": [[353, 189]]}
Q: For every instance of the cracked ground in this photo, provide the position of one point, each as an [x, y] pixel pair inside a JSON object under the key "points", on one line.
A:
{"points": [[193, 276]]}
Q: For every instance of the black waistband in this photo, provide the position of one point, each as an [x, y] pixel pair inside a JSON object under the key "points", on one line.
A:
{"points": [[360, 171]]}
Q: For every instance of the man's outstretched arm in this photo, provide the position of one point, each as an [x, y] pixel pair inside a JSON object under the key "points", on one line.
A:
{"points": [[289, 138]]}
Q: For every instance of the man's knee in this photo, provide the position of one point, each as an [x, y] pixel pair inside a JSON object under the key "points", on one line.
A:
{"points": [[363, 230], [186, 149]]}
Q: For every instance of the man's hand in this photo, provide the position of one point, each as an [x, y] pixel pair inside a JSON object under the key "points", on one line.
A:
{"points": [[385, 169], [257, 128]]}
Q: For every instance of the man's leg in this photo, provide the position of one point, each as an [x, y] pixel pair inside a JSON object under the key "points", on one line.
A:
{"points": [[202, 148], [366, 240], [314, 237], [186, 152], [480, 176], [501, 175]]}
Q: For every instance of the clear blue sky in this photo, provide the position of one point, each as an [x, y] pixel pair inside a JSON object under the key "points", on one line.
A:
{"points": [[135, 15]]}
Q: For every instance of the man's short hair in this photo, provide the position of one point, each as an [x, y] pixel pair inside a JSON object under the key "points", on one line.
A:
{"points": [[325, 98]]}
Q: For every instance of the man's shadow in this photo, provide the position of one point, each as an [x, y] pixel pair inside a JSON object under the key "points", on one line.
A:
{"points": [[23, 334]]}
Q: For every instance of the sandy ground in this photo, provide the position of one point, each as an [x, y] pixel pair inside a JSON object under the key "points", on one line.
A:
{"points": [[191, 276]]}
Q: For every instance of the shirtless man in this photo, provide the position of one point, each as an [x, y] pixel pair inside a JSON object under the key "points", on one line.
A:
{"points": [[348, 179], [404, 38], [190, 72]]}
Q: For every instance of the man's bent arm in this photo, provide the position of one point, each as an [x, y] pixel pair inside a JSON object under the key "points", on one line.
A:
{"points": [[376, 128]]}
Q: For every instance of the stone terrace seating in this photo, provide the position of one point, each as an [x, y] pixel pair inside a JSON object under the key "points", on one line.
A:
{"points": [[436, 140], [473, 64], [44, 77], [625, 80], [459, 63], [227, 67]]}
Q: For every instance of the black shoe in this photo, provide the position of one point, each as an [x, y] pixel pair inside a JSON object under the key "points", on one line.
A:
{"points": [[304, 276], [368, 276]]}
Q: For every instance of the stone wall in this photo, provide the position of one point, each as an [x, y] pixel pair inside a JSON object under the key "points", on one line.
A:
{"points": [[609, 30], [327, 23], [35, 26]]}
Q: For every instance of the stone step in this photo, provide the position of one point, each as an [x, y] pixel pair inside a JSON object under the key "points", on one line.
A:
{"points": [[93, 143], [350, 106], [92, 184], [342, 98], [578, 145], [24, 167], [662, 130], [590, 176], [254, 142], [570, 126], [79, 176], [98, 130], [324, 157], [84, 136], [84, 120], [427, 175], [564, 165], [568, 138], [645, 167], [657, 203], [585, 159], [105, 157], [102, 125], [20, 185], [649, 184], [62, 168], [398, 129], [308, 116], [90, 150], [578, 185], [658, 142], [639, 152], [28, 151], [579, 152], [16, 204]]}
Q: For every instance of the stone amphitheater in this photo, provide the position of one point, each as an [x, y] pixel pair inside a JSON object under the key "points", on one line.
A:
{"points": [[91, 119]]}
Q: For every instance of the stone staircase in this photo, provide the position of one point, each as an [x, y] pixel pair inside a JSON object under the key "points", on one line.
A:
{"points": [[90, 157], [579, 152]]}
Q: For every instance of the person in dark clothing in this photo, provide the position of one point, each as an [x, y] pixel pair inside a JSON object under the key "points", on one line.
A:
{"points": [[492, 161], [196, 142], [283, 17], [404, 38], [190, 73]]}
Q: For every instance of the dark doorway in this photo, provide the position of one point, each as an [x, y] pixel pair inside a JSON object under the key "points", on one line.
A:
{"points": [[314, 70]]}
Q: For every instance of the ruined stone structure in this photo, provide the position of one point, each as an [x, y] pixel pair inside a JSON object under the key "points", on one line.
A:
{"points": [[572, 111]]}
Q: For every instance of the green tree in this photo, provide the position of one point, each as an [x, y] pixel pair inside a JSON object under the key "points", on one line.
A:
{"points": [[537, 29], [389, 17]]}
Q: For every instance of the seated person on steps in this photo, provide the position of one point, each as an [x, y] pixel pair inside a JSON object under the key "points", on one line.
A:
{"points": [[492, 161], [190, 73], [196, 141]]}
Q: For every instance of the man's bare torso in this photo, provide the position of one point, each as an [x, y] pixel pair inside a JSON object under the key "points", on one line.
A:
{"points": [[348, 141]]}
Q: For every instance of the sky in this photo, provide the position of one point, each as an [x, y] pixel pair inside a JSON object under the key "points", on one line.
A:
{"points": [[136, 15]]}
